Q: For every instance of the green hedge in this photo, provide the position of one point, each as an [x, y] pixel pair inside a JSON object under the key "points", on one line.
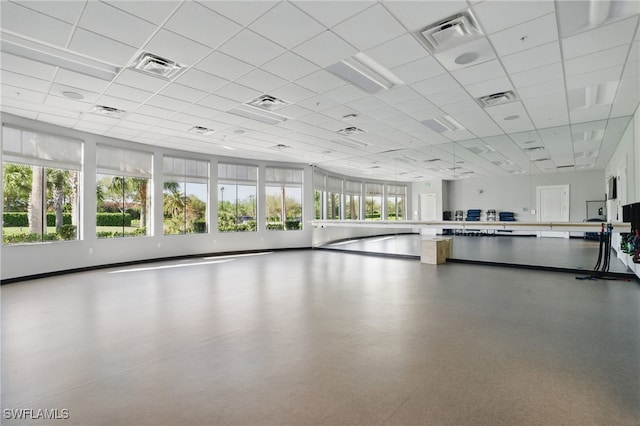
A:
{"points": [[21, 219], [113, 219]]}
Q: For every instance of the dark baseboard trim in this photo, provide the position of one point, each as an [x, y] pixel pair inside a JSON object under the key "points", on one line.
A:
{"points": [[139, 262], [370, 253]]}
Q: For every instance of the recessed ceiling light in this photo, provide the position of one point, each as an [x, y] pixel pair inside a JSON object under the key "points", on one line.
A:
{"points": [[350, 131], [349, 116], [511, 117], [466, 58], [72, 95], [280, 147], [227, 147]]}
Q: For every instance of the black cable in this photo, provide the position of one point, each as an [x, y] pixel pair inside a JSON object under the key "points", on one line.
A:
{"points": [[601, 239]]}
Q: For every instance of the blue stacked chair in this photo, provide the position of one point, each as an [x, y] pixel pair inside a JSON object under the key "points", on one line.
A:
{"points": [[473, 215], [507, 217]]}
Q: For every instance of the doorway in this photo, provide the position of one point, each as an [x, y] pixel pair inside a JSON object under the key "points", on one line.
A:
{"points": [[552, 204]]}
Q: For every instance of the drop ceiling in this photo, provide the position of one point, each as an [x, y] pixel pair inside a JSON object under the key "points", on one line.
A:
{"points": [[574, 67]]}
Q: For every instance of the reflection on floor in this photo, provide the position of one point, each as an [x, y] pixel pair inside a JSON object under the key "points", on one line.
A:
{"points": [[319, 337], [572, 253]]}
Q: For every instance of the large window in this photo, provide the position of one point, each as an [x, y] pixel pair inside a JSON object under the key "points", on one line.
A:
{"points": [[40, 186], [283, 190], [334, 195], [237, 197], [319, 191], [396, 195], [373, 201], [352, 200], [185, 195], [123, 192]]}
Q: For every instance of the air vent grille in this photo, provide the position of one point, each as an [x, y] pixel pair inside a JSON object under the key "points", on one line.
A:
{"points": [[199, 130], [452, 31], [157, 66], [108, 111], [267, 102], [497, 99], [350, 131]]}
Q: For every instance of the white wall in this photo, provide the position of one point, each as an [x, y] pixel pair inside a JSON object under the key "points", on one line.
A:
{"points": [[434, 186], [518, 193], [30, 259], [626, 156]]}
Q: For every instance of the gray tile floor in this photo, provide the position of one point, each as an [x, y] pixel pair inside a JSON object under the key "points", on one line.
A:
{"points": [[573, 253], [317, 337]]}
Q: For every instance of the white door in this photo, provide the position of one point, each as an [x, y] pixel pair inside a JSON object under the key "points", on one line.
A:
{"points": [[552, 206], [428, 209]]}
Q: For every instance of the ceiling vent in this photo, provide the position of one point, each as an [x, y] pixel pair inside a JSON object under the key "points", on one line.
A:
{"points": [[497, 99], [566, 166], [452, 31], [267, 102], [534, 148], [107, 111], [203, 131], [157, 66], [433, 160], [442, 124], [280, 147], [542, 159], [257, 114], [365, 73], [350, 131]]}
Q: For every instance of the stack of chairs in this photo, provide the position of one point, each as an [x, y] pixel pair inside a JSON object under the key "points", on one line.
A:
{"points": [[446, 216], [458, 217], [506, 217], [473, 215], [492, 216]]}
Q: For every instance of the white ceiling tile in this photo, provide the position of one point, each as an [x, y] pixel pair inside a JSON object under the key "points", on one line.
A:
{"points": [[242, 12], [544, 101], [294, 111], [398, 95], [536, 32], [547, 117], [151, 111], [101, 48], [449, 97], [594, 78], [201, 81], [549, 88], [55, 119], [184, 93], [414, 105], [119, 103], [224, 66], [599, 38], [67, 11], [292, 93], [477, 73], [464, 106], [125, 125], [419, 70], [500, 112], [573, 16], [589, 114], [252, 48], [290, 66], [344, 94], [58, 89], [261, 81], [167, 103], [92, 127], [128, 92], [416, 15], [498, 15], [201, 24], [238, 92], [34, 24], [173, 46], [28, 67], [537, 75], [330, 13], [369, 28], [101, 119], [149, 10], [215, 102], [325, 49], [478, 122], [113, 23], [81, 81], [496, 85], [141, 80], [318, 103], [481, 47], [287, 26], [67, 104], [398, 51], [321, 81], [596, 61], [22, 94], [438, 84], [20, 80], [536, 57]]}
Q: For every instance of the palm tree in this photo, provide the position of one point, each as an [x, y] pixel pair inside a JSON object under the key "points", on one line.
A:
{"points": [[35, 200], [58, 180]]}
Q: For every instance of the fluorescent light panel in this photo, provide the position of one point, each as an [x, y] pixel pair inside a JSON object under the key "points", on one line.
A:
{"points": [[261, 116], [365, 73], [56, 56]]}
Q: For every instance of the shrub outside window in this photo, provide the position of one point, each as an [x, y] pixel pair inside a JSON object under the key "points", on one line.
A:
{"points": [[185, 195], [353, 197], [373, 201], [237, 198], [41, 186], [123, 192]]}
